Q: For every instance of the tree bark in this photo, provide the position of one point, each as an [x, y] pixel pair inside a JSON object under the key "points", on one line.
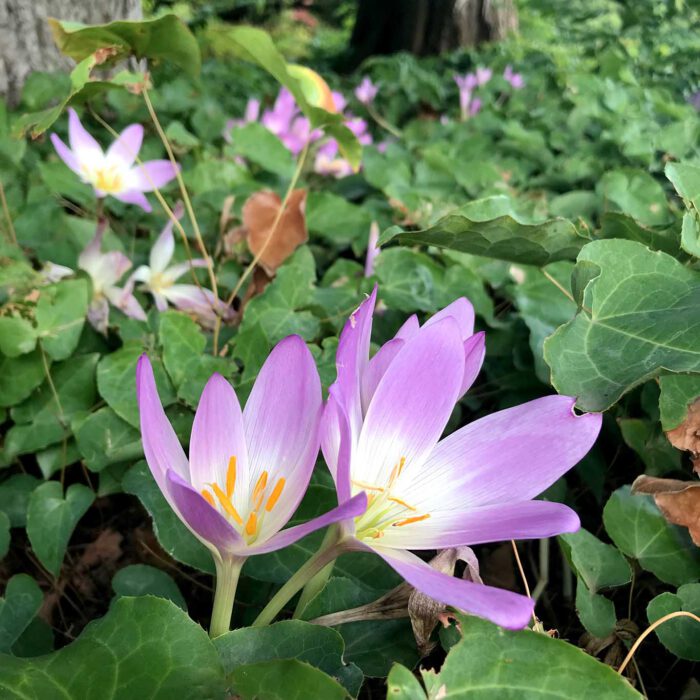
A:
{"points": [[26, 43], [425, 27]]}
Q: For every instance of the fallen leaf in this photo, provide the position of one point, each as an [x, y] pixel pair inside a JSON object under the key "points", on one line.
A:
{"points": [[687, 435], [259, 214], [678, 501]]}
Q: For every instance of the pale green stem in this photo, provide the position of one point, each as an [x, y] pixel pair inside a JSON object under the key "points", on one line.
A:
{"points": [[394, 131], [314, 586], [318, 561], [227, 573]]}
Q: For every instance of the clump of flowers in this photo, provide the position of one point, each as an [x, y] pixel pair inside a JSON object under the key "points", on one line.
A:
{"points": [[471, 104]]}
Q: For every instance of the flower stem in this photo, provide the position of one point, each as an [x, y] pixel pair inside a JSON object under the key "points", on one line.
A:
{"points": [[324, 556], [394, 131], [227, 573], [315, 585]]}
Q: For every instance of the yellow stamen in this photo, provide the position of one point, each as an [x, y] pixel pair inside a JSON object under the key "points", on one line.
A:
{"points": [[259, 490], [369, 487], [226, 503], [252, 525], [400, 502], [414, 519], [402, 464], [208, 498], [396, 471], [274, 496], [231, 477]]}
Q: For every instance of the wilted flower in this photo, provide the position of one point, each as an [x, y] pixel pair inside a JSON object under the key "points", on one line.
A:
{"points": [[159, 277], [381, 436], [247, 470], [51, 272], [366, 91], [105, 270], [516, 80], [114, 172]]}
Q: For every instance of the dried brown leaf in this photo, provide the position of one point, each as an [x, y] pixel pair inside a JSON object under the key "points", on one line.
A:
{"points": [[687, 435]]}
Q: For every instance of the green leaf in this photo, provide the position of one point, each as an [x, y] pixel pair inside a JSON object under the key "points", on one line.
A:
{"points": [[166, 38], [260, 146], [5, 536], [336, 220], [600, 565], [648, 304], [173, 536], [104, 438], [116, 381], [490, 662], [637, 527], [403, 685], [60, 315], [284, 679], [17, 336], [596, 612], [616, 225], [648, 441], [636, 193], [690, 234], [14, 497], [21, 603], [686, 179], [678, 391], [322, 647], [143, 648], [19, 376], [141, 579], [681, 635], [51, 519]]}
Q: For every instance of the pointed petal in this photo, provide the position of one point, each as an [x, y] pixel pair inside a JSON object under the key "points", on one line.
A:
{"points": [[411, 405], [178, 269], [160, 301], [348, 510], [160, 444], [462, 311], [125, 302], [497, 523], [409, 328], [126, 146], [282, 425], [336, 443], [98, 314], [376, 368], [83, 145], [218, 435], [134, 197], [205, 522], [505, 608], [513, 454], [151, 175], [163, 249], [474, 353], [65, 154]]}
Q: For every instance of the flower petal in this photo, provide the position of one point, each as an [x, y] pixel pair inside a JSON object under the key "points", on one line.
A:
{"points": [[65, 154], [474, 353], [411, 405], [282, 425], [205, 522], [510, 455], [160, 444], [409, 328], [350, 509], [84, 147], [126, 302], [376, 368], [462, 311], [152, 174], [178, 269], [505, 608], [496, 523], [134, 197], [163, 249], [126, 146], [218, 435]]}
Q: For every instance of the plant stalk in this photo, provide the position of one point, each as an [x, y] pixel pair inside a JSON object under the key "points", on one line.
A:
{"points": [[227, 573]]}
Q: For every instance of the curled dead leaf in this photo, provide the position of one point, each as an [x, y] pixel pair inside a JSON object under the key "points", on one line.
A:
{"points": [[678, 501], [687, 435], [274, 243]]}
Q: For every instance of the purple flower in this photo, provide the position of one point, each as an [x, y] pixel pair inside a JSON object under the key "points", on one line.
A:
{"points": [[483, 75], [329, 162], [372, 249], [475, 106], [381, 436], [105, 270], [366, 91], [360, 128], [516, 80], [252, 112], [114, 172], [159, 277], [339, 101], [247, 470], [466, 84]]}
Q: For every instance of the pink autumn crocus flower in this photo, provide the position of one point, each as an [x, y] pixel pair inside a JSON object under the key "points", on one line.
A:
{"points": [[113, 172], [105, 270], [516, 80], [247, 470], [381, 436], [159, 279], [366, 91], [483, 75]]}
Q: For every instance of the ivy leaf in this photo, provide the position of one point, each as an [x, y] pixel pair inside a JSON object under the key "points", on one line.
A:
{"points": [[678, 391], [596, 612], [142, 648], [639, 529], [21, 603], [647, 303], [141, 579], [14, 497], [401, 684], [5, 536], [260, 146], [19, 376], [51, 519], [636, 193], [60, 316], [17, 336], [681, 636]]}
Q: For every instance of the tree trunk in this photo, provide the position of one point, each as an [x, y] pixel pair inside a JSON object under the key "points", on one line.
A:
{"points": [[26, 43], [425, 27]]}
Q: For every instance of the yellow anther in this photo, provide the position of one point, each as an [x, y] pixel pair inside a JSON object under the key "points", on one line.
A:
{"points": [[226, 503], [208, 498], [400, 502], [396, 471], [259, 490], [414, 519], [231, 477], [251, 525], [274, 496], [369, 487]]}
